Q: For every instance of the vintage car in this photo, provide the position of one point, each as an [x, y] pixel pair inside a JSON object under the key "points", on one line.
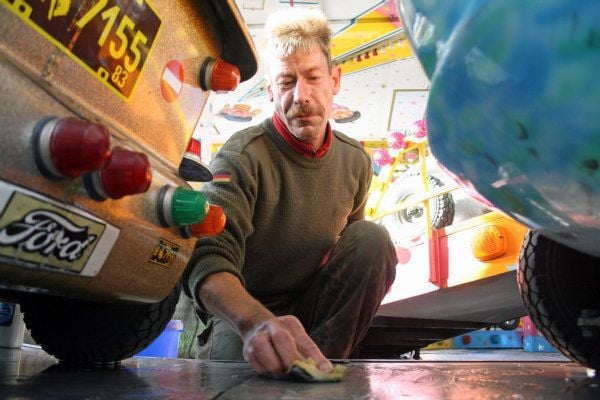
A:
{"points": [[98, 105], [512, 113]]}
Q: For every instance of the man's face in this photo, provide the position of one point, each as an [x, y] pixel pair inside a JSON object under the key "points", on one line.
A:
{"points": [[302, 88]]}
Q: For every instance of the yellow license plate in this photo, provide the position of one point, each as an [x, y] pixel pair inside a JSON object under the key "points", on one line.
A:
{"points": [[111, 38]]}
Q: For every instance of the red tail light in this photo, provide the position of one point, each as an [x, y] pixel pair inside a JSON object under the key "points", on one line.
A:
{"points": [[194, 148], [126, 172], [213, 223], [70, 147], [218, 75], [191, 168]]}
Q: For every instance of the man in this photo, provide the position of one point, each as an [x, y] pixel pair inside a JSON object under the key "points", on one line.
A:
{"points": [[297, 272]]}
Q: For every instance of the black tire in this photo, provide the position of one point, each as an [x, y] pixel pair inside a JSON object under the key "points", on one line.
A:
{"points": [[556, 284], [84, 332], [408, 224], [509, 325]]}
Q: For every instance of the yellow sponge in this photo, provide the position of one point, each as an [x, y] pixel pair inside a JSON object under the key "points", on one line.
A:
{"points": [[307, 371]]}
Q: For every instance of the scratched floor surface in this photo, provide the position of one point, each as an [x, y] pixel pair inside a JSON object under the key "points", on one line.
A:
{"points": [[31, 374]]}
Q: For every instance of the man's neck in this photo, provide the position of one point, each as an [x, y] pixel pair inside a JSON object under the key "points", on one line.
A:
{"points": [[306, 149]]}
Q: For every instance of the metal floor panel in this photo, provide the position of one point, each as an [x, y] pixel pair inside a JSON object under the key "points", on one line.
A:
{"points": [[31, 374], [492, 299]]}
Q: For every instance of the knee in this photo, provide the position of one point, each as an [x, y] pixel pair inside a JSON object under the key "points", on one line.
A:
{"points": [[369, 235], [371, 240], [371, 246]]}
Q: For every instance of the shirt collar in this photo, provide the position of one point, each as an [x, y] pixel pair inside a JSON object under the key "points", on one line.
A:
{"points": [[307, 150]]}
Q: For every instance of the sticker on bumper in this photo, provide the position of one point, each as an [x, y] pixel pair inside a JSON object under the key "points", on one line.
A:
{"points": [[164, 253], [38, 232], [111, 38]]}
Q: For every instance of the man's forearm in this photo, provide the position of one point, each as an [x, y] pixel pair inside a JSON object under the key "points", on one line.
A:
{"points": [[224, 296]]}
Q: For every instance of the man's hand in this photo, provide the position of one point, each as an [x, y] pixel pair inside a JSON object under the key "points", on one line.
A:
{"points": [[274, 345], [271, 344]]}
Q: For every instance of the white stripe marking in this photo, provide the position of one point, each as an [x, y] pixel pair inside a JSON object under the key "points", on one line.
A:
{"points": [[172, 80]]}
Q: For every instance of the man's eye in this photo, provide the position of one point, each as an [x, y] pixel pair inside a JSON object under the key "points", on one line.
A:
{"points": [[286, 84]]}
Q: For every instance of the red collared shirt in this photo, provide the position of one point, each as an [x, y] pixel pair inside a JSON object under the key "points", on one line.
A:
{"points": [[307, 150]]}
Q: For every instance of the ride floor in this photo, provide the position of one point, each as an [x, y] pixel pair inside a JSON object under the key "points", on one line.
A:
{"points": [[29, 373]]}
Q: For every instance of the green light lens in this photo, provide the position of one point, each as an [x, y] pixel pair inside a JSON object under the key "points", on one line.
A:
{"points": [[188, 207]]}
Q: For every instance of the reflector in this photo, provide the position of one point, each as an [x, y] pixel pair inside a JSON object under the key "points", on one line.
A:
{"points": [[191, 168], [488, 243], [126, 172], [213, 224], [180, 206], [219, 75], [69, 147]]}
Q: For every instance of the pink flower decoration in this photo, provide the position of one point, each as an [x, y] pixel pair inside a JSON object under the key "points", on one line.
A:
{"points": [[396, 141], [421, 128], [382, 158]]}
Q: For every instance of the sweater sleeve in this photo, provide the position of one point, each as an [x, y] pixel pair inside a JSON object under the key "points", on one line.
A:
{"points": [[235, 192], [362, 195]]}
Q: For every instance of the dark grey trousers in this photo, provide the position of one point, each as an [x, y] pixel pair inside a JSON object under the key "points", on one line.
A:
{"points": [[338, 307]]}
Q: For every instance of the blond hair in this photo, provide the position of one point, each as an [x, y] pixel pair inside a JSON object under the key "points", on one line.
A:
{"points": [[292, 29]]}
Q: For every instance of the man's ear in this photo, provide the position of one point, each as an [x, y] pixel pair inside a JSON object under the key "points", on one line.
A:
{"points": [[336, 75], [269, 92]]}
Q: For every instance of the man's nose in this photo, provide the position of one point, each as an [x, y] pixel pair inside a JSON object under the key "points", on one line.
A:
{"points": [[301, 92]]}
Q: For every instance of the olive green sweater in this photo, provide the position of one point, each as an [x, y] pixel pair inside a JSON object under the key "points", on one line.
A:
{"points": [[284, 211]]}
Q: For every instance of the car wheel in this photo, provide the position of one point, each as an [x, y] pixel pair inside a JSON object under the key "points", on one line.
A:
{"points": [[559, 285], [409, 224], [83, 332]]}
